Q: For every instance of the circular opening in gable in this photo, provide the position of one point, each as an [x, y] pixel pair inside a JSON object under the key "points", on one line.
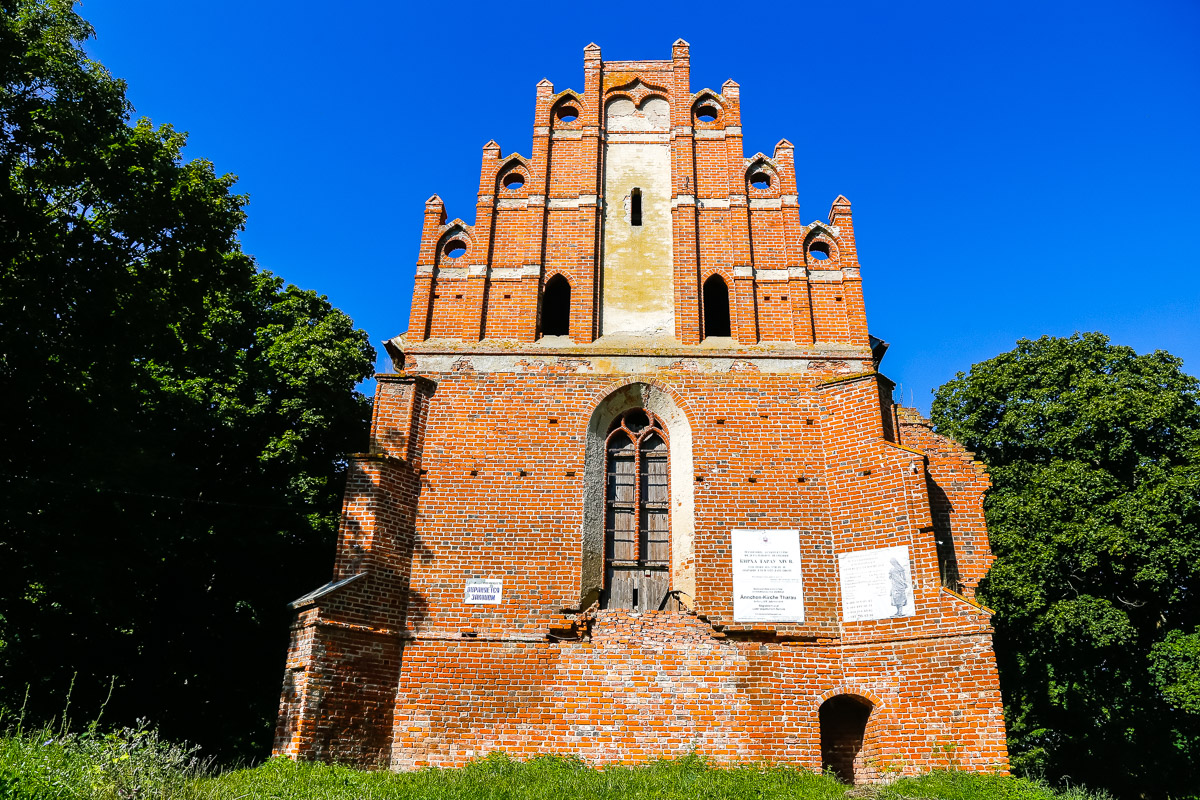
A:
{"points": [[707, 114], [454, 249], [567, 114], [818, 251], [760, 180], [514, 181]]}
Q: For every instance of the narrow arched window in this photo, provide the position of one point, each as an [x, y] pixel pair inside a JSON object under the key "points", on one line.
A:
{"points": [[637, 529], [635, 207], [716, 307], [556, 307]]}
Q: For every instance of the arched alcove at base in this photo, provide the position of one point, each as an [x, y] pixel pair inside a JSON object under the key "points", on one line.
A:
{"points": [[843, 729]]}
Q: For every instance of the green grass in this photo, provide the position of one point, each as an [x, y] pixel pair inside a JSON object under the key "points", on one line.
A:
{"points": [[128, 763], [134, 764]]}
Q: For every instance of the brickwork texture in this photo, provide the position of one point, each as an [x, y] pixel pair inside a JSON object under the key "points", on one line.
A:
{"points": [[685, 288]]}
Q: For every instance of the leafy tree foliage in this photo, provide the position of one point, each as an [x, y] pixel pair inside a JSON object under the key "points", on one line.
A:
{"points": [[172, 419], [1094, 516]]}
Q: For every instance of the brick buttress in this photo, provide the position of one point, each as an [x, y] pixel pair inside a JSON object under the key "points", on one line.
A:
{"points": [[638, 487]]}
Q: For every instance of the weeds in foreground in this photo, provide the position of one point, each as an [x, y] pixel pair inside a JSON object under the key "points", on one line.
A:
{"points": [[952, 785], [135, 764], [499, 777], [124, 764]]}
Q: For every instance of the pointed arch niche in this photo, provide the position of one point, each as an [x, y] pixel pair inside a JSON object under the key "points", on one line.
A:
{"points": [[716, 307], [662, 406], [556, 307]]}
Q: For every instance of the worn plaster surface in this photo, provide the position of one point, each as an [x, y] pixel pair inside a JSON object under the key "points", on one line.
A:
{"points": [[638, 268]]}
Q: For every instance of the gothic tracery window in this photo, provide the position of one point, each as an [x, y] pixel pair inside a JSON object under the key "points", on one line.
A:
{"points": [[637, 514]]}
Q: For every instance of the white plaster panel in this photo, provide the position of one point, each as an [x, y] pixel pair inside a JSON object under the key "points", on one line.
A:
{"points": [[633, 138], [628, 364], [638, 268], [771, 274], [621, 114]]}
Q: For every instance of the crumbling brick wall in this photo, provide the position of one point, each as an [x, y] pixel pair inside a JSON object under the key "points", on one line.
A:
{"points": [[487, 462]]}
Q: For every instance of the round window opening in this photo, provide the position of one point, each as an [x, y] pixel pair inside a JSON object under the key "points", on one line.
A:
{"points": [[454, 249], [706, 114], [760, 180], [819, 251], [514, 181], [567, 114]]}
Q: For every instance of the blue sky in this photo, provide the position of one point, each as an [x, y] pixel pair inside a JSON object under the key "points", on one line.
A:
{"points": [[1016, 169]]}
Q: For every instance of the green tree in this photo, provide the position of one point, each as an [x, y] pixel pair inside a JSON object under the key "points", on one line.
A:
{"points": [[1094, 516], [172, 419]]}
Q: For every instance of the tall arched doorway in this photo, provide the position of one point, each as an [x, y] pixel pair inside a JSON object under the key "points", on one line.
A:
{"points": [[669, 464], [843, 728], [637, 529]]}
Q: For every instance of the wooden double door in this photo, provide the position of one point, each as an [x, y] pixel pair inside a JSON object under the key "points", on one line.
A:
{"points": [[637, 573]]}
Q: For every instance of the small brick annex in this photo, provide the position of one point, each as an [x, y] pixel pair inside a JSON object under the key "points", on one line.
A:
{"points": [[636, 353]]}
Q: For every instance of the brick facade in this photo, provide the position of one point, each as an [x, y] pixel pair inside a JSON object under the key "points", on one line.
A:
{"points": [[491, 457]]}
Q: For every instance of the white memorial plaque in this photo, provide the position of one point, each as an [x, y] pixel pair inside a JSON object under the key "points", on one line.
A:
{"points": [[876, 584], [483, 592], [767, 583]]}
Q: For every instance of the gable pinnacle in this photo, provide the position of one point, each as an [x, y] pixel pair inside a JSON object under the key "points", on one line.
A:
{"points": [[840, 208]]}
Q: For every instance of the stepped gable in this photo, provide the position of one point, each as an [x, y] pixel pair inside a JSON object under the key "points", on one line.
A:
{"points": [[637, 487]]}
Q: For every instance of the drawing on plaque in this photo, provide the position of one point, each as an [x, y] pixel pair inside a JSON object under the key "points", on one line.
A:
{"points": [[767, 585], [876, 584], [899, 585]]}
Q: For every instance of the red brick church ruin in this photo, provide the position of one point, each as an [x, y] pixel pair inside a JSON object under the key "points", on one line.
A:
{"points": [[637, 487]]}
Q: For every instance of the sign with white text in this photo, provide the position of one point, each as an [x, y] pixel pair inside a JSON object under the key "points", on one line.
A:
{"points": [[876, 584], [767, 585], [483, 592]]}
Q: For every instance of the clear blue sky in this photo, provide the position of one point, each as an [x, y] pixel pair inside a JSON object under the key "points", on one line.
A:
{"points": [[1016, 169]]}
